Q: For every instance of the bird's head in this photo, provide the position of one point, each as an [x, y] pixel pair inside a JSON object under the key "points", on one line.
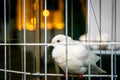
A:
{"points": [[60, 39]]}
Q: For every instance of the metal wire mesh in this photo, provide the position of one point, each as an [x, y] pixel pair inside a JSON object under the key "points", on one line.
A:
{"points": [[26, 56]]}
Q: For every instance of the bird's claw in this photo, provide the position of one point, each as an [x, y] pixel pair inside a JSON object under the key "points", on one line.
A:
{"points": [[80, 76]]}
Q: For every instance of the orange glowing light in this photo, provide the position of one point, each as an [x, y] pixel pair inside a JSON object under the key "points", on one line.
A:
{"points": [[19, 27], [46, 13], [30, 27], [34, 6], [42, 25], [49, 26], [33, 20], [59, 26]]}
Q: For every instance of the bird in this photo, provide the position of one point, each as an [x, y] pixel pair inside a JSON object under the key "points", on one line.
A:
{"points": [[84, 37], [78, 55], [104, 38], [88, 38]]}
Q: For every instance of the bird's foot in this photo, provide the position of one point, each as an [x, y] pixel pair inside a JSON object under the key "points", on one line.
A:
{"points": [[65, 75], [80, 76]]}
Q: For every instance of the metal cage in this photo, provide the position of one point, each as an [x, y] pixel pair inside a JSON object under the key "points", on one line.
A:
{"points": [[27, 26]]}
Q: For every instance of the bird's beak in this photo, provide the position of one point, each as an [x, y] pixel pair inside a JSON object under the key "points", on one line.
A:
{"points": [[51, 44]]}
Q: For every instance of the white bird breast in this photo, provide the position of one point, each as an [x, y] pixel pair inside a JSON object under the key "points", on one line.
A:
{"points": [[75, 57]]}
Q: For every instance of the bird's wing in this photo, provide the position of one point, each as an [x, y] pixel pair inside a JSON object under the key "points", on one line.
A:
{"points": [[82, 52], [96, 70], [78, 50], [94, 57]]}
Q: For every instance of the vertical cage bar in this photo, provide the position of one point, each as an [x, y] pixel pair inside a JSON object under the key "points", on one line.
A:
{"points": [[66, 33], [72, 14], [89, 16], [114, 56], [22, 47], [114, 35], [5, 41], [100, 27], [9, 47], [100, 32], [113, 23], [72, 34], [37, 39], [24, 14], [66, 17], [45, 40], [114, 39], [88, 30]]}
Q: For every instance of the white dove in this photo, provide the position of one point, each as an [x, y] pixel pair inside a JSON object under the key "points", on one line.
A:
{"points": [[86, 38], [104, 38], [79, 56]]}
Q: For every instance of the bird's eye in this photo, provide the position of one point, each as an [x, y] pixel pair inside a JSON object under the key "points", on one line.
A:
{"points": [[58, 40]]}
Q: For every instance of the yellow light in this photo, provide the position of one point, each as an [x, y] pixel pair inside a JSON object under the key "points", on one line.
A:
{"points": [[46, 13], [30, 27], [33, 20], [34, 6], [19, 27], [59, 26], [49, 26]]}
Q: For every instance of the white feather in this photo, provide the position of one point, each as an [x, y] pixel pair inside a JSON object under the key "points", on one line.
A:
{"points": [[104, 38], [79, 56]]}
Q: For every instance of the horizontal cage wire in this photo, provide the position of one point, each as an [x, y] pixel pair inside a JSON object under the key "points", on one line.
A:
{"points": [[84, 35]]}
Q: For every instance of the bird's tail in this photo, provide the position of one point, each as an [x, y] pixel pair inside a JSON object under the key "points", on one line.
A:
{"points": [[96, 70]]}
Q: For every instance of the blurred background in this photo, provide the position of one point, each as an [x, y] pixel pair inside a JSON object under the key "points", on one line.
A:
{"points": [[26, 24]]}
